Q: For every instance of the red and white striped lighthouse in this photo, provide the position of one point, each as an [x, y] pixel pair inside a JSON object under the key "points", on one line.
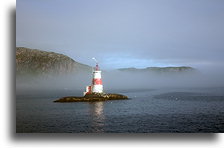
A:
{"points": [[96, 86]]}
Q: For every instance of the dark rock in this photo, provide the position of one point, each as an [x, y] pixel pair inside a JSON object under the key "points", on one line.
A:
{"points": [[92, 98]]}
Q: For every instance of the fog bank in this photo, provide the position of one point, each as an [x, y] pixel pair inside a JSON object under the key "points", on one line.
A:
{"points": [[120, 80]]}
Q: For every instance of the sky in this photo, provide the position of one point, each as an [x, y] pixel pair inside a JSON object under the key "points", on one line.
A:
{"points": [[125, 33]]}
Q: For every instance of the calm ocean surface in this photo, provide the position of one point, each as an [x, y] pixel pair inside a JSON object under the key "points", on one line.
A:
{"points": [[156, 110]]}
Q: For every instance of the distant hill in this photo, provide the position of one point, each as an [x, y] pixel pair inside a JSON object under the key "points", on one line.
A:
{"points": [[37, 62], [160, 69]]}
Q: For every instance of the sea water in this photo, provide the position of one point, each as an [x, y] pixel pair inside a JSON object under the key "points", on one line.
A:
{"points": [[147, 111]]}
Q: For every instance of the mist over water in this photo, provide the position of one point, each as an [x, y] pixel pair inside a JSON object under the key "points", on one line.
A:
{"points": [[116, 79]]}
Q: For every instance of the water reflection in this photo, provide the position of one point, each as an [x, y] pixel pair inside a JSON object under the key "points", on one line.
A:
{"points": [[96, 112]]}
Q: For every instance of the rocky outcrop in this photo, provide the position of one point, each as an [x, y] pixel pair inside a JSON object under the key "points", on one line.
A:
{"points": [[37, 62], [93, 97]]}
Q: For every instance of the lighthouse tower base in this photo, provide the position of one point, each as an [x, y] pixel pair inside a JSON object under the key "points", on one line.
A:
{"points": [[93, 89]]}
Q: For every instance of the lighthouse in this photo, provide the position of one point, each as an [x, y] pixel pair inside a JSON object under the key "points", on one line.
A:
{"points": [[94, 92], [97, 85]]}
